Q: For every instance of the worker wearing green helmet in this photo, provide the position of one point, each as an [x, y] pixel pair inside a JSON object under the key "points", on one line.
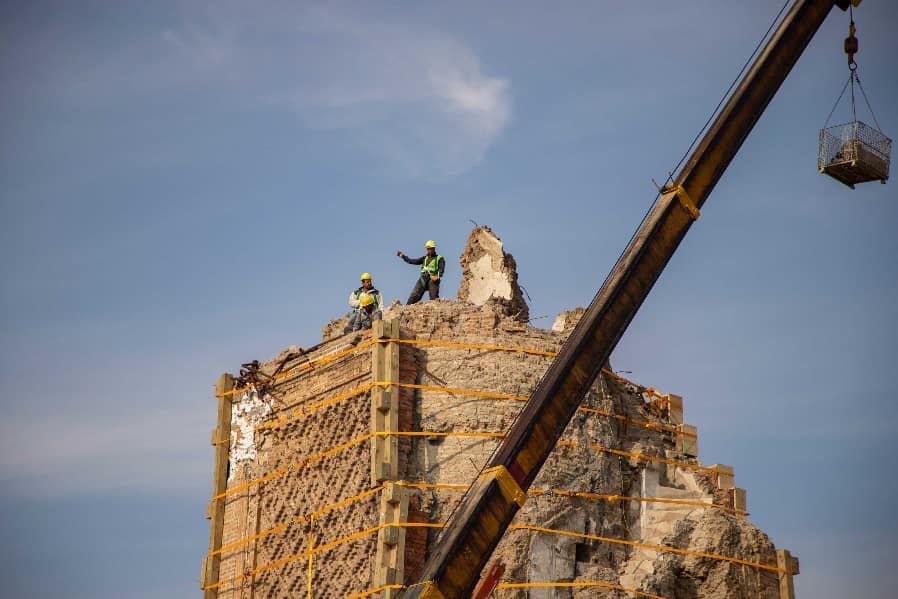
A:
{"points": [[366, 303], [432, 267]]}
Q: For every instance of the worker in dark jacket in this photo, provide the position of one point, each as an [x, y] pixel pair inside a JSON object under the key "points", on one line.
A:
{"points": [[432, 267]]}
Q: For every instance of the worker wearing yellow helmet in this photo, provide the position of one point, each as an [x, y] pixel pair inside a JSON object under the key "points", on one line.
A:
{"points": [[366, 303], [432, 267]]}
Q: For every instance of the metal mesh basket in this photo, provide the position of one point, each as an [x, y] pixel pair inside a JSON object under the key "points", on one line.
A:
{"points": [[854, 153]]}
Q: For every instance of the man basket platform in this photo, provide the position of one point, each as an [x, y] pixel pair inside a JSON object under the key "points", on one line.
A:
{"points": [[854, 153]]}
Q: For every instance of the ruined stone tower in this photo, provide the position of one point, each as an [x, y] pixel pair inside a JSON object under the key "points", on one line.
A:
{"points": [[337, 465]]}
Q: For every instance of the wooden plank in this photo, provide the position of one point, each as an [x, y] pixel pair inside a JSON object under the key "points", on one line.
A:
{"points": [[784, 561], [384, 403], [379, 403], [389, 565], [391, 373], [212, 570]]}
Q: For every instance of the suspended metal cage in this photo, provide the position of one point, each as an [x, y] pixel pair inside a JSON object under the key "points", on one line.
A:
{"points": [[854, 153]]}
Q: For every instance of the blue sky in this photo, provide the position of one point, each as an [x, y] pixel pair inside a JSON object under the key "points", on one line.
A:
{"points": [[187, 186]]}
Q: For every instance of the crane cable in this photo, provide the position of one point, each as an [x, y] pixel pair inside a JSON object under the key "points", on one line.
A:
{"points": [[851, 48], [866, 101], [726, 94], [698, 135], [689, 149]]}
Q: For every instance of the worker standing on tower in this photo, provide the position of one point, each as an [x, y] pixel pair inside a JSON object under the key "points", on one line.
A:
{"points": [[432, 267], [364, 311]]}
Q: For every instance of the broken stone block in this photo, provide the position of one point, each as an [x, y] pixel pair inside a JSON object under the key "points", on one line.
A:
{"points": [[674, 409], [567, 320], [489, 275], [726, 478], [739, 499], [687, 440]]}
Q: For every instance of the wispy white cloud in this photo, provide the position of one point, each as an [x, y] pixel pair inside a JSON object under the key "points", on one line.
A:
{"points": [[408, 95], [413, 99]]}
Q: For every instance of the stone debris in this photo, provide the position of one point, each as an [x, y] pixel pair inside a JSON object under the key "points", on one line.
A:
{"points": [[567, 320]]}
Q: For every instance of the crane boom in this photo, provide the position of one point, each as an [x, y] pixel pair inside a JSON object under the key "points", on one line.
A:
{"points": [[494, 498]]}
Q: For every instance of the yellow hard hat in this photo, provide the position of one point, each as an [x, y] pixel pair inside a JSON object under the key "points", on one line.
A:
{"points": [[430, 244], [366, 300], [365, 275]]}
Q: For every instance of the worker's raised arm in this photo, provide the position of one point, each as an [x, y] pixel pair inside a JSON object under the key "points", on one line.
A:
{"points": [[410, 260]]}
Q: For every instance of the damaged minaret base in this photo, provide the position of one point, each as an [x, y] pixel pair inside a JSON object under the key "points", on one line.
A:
{"points": [[337, 465]]}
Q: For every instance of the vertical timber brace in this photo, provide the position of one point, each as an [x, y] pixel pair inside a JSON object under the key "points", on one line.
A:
{"points": [[390, 558], [215, 513], [789, 563], [385, 403], [389, 567]]}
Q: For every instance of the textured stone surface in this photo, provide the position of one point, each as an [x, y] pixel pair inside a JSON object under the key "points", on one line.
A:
{"points": [[489, 274], [451, 401], [567, 320]]}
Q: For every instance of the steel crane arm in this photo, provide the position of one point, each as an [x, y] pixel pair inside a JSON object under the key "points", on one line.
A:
{"points": [[487, 509]]}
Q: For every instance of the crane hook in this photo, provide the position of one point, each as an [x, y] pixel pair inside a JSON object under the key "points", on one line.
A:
{"points": [[851, 46]]}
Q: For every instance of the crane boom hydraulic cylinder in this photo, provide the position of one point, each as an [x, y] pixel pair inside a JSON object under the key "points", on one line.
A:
{"points": [[487, 509]]}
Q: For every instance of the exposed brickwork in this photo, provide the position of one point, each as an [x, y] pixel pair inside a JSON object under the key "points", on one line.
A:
{"points": [[307, 487], [415, 539], [408, 373]]}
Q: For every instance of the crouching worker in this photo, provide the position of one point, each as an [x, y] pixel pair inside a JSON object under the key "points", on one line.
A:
{"points": [[432, 267], [364, 316], [366, 303]]}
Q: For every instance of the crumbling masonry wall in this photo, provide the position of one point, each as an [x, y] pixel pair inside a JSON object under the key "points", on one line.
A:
{"points": [[448, 406], [300, 430], [333, 478], [448, 399]]}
